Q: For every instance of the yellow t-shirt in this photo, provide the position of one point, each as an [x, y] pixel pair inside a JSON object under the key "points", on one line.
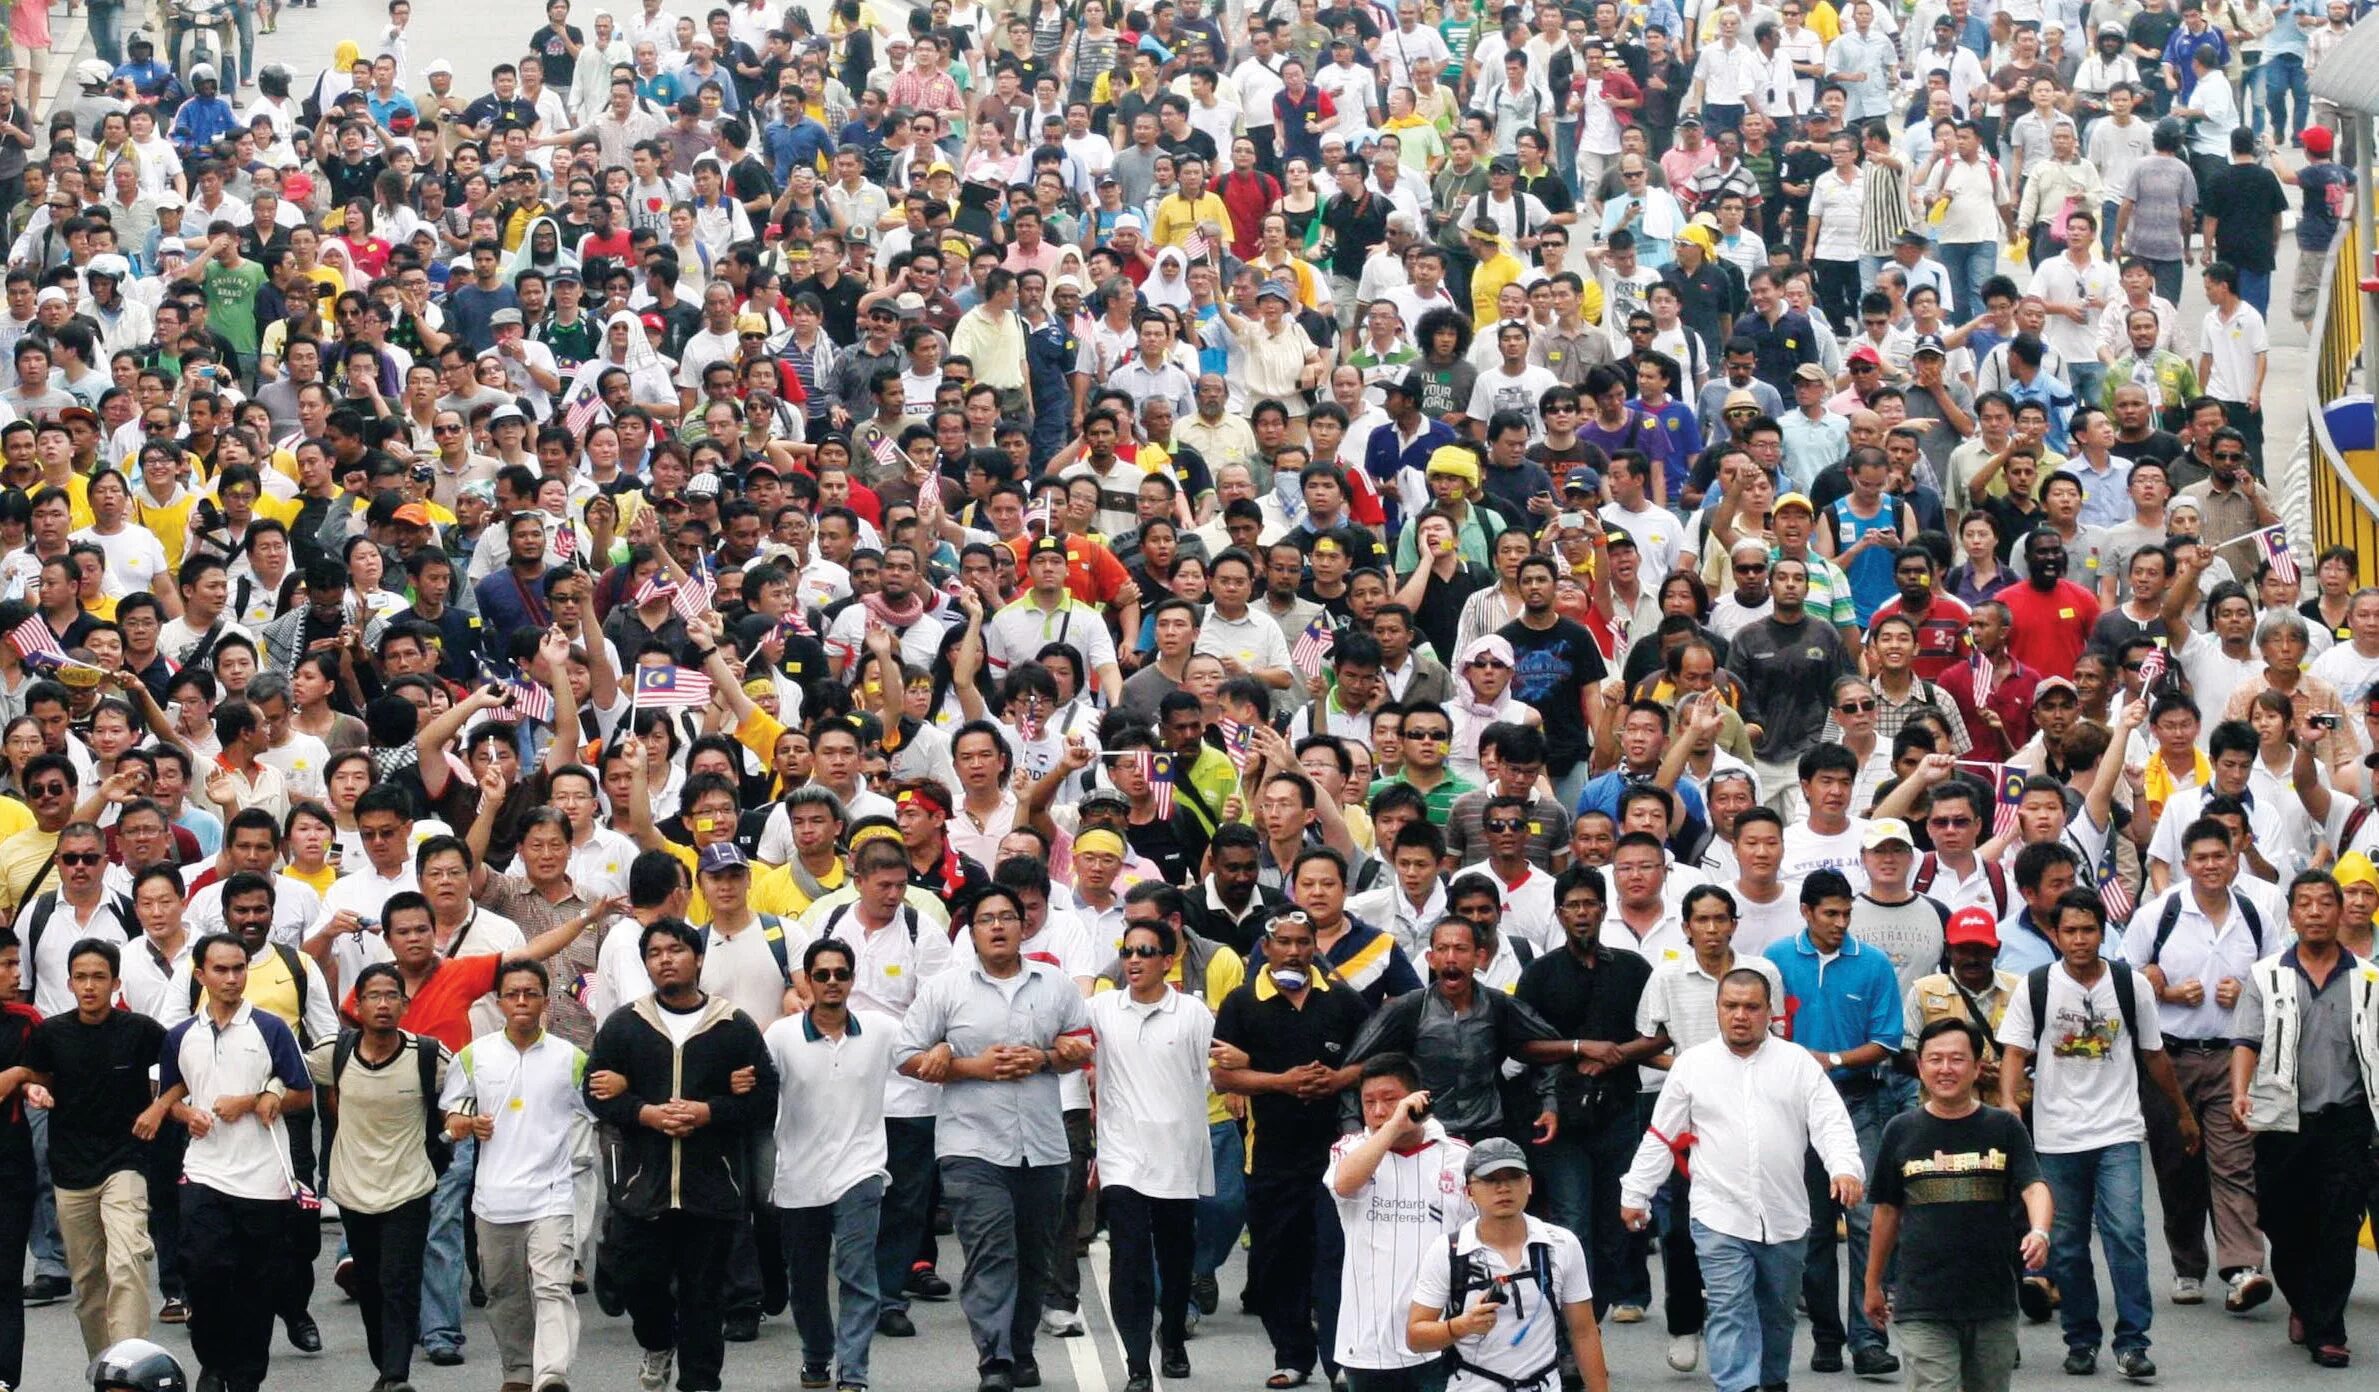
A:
{"points": [[168, 522], [1177, 217]]}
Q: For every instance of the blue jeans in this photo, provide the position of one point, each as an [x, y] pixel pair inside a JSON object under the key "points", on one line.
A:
{"points": [[2087, 378], [107, 29], [1580, 1173], [1749, 1333], [1821, 1287], [2102, 1185], [2283, 80], [844, 1332], [49, 1249], [1969, 264], [2255, 287], [442, 1271], [1224, 1212]]}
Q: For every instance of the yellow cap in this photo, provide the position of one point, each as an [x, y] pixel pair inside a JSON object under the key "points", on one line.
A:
{"points": [[2355, 868], [1455, 460]]}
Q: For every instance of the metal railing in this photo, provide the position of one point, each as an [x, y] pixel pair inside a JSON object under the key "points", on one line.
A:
{"points": [[2345, 504]]}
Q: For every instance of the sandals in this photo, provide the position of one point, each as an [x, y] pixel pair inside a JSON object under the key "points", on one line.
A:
{"points": [[1285, 1378]]}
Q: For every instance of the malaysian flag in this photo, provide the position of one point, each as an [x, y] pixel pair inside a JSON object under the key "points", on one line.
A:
{"points": [[2113, 890], [1045, 514], [565, 543], [693, 600], [585, 413], [2152, 669], [1028, 721], [33, 639], [656, 586], [532, 700], [1313, 645], [1986, 679], [886, 452], [1156, 768], [2271, 543], [1195, 246], [1235, 741], [2007, 784], [670, 686]]}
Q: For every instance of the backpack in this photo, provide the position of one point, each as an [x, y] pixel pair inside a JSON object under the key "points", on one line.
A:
{"points": [[2036, 988], [772, 932], [1462, 1279], [2170, 916], [37, 919], [908, 914], [297, 973], [441, 1150], [1929, 867]]}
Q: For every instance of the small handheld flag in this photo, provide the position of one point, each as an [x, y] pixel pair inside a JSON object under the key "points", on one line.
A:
{"points": [[657, 586], [693, 600], [33, 639], [1157, 768], [2271, 543], [585, 413], [1313, 646], [565, 543], [886, 452], [671, 686], [1986, 679]]}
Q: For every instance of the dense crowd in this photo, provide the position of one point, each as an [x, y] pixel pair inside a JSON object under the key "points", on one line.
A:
{"points": [[1465, 644]]}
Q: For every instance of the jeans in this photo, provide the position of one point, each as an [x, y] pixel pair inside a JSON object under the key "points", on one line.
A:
{"points": [[49, 1249], [1969, 265], [443, 1274], [1224, 1212], [1976, 1355], [1152, 1241], [107, 29], [1006, 1218], [2086, 379], [1580, 1172], [1838, 293], [1870, 1106], [2102, 1185], [2283, 80], [389, 1250], [2255, 287], [846, 1231], [908, 1206], [1749, 1336], [1682, 1303], [2168, 277], [236, 1248], [1721, 117], [756, 1265], [672, 1270]]}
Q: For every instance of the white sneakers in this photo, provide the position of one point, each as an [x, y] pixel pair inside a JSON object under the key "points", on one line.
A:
{"points": [[1685, 1352], [1061, 1324], [2248, 1289], [653, 1375], [2188, 1290]]}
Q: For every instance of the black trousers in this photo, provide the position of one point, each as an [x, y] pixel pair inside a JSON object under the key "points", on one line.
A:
{"points": [[1682, 1299], [673, 1273], [17, 1191], [907, 1225], [1154, 1241], [161, 1164], [2311, 1187], [756, 1265], [1294, 1245], [294, 1282], [1080, 1219], [387, 1248], [233, 1248]]}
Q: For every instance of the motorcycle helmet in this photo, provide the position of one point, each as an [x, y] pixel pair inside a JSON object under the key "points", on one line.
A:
{"points": [[92, 72], [273, 80], [203, 72], [136, 1365]]}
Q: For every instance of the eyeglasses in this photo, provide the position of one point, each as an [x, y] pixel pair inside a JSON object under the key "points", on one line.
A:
{"points": [[49, 789], [830, 973], [1142, 950], [1856, 707], [80, 857], [1949, 823], [998, 920], [1503, 824], [379, 833], [2230, 456]]}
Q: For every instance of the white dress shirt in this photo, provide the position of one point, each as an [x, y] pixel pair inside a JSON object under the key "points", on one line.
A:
{"points": [[1751, 1117]]}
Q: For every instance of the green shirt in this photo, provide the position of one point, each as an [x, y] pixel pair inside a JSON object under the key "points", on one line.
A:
{"points": [[1440, 798], [231, 302]]}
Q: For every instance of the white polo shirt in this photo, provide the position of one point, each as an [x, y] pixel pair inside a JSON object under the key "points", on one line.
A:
{"points": [[1395, 1225], [830, 1112], [533, 1094], [247, 1158], [1152, 1132], [1525, 1336], [2232, 345]]}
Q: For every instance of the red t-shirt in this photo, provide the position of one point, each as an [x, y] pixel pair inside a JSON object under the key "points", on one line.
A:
{"points": [[1940, 635], [2051, 629], [441, 1009]]}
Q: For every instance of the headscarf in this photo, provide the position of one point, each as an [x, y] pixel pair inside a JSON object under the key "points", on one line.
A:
{"points": [[342, 67], [563, 258], [641, 353], [1164, 291]]}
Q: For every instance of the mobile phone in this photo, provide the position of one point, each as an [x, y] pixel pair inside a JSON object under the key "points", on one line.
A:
{"points": [[1571, 519], [2322, 721]]}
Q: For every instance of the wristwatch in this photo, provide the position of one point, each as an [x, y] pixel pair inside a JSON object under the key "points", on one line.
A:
{"points": [[1833, 1060]]}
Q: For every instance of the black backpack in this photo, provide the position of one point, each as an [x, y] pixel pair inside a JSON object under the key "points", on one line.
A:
{"points": [[297, 973], [1462, 1278], [2036, 987], [425, 1055], [2170, 916]]}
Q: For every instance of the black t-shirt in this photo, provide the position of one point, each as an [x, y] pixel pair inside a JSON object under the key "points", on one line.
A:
{"points": [[1278, 1037], [1175, 845], [548, 45], [1439, 614], [1556, 665], [1582, 1002], [1358, 224], [2161, 445], [99, 1075], [841, 304], [2248, 200], [1957, 1185]]}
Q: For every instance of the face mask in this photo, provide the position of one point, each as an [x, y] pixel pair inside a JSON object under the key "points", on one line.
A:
{"points": [[1289, 978]]}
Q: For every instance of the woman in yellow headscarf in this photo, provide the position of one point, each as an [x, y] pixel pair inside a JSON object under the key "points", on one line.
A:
{"points": [[2358, 881], [340, 78]]}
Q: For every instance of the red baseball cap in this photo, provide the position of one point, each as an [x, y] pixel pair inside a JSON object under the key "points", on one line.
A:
{"points": [[1972, 925]]}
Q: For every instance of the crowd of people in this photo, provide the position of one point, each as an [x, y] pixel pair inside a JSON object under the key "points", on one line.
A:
{"points": [[1464, 646]]}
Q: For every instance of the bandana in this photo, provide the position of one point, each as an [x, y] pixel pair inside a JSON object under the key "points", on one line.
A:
{"points": [[1099, 839]]}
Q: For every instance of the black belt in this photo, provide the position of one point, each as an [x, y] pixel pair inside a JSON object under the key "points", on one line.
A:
{"points": [[2198, 1046]]}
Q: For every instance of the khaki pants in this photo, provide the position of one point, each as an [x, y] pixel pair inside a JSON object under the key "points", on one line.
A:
{"points": [[526, 1267], [107, 1257]]}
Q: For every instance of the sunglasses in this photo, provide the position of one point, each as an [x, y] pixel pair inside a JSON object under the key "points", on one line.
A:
{"points": [[1142, 950], [2231, 457], [1502, 824], [830, 973], [1750, 568], [49, 790], [1430, 736], [446, 430], [1856, 707], [1949, 823], [80, 858]]}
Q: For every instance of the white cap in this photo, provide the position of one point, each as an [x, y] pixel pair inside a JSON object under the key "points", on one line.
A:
{"points": [[52, 294], [438, 67]]}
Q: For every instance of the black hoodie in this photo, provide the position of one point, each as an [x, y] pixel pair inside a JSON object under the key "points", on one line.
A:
{"points": [[705, 1173]]}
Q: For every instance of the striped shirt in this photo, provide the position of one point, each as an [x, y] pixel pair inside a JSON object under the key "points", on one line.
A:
{"points": [[1395, 1224], [1883, 211]]}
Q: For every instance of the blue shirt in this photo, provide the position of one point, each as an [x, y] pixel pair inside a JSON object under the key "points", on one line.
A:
{"points": [[2181, 48], [802, 141], [1683, 431], [201, 121], [2022, 947], [1602, 791], [1836, 1006], [2285, 36], [2053, 395]]}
